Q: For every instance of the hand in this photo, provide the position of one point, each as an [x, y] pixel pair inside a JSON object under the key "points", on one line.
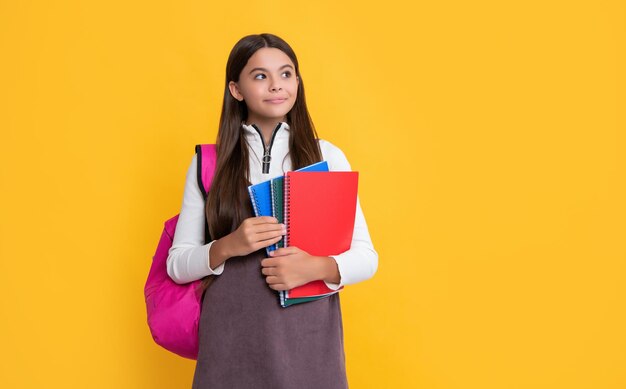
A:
{"points": [[253, 234], [289, 267]]}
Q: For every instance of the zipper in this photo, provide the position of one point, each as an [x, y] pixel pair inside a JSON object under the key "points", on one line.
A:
{"points": [[267, 150]]}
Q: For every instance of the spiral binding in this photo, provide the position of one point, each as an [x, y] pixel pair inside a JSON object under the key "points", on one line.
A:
{"points": [[255, 204], [286, 209]]}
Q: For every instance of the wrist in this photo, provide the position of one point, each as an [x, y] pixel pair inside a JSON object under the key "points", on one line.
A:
{"points": [[329, 271], [219, 251]]}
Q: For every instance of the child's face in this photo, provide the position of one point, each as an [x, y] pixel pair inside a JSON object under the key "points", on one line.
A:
{"points": [[268, 85]]}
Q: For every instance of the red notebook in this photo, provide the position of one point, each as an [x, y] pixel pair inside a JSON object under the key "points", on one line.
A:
{"points": [[319, 216]]}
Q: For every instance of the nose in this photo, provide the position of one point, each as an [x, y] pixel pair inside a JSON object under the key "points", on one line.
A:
{"points": [[275, 86]]}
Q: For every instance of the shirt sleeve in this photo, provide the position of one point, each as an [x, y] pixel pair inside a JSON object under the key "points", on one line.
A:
{"points": [[188, 258], [360, 262]]}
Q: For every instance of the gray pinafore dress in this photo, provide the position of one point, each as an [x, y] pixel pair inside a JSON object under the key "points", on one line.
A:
{"points": [[247, 340]]}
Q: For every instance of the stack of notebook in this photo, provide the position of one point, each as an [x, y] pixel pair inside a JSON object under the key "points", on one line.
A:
{"points": [[318, 209]]}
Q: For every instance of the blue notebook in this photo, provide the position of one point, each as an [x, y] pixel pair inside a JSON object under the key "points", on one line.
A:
{"points": [[261, 197], [261, 194]]}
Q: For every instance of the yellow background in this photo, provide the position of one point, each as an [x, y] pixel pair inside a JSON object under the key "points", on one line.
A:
{"points": [[490, 140]]}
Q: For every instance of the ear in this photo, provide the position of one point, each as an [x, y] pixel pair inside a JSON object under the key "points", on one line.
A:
{"points": [[234, 91]]}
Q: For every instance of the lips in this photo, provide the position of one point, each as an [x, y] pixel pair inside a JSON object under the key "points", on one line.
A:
{"points": [[276, 101]]}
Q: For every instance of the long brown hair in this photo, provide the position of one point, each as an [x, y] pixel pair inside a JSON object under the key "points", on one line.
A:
{"points": [[228, 200]]}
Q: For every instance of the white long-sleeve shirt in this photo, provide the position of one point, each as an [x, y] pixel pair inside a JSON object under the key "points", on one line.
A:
{"points": [[188, 258]]}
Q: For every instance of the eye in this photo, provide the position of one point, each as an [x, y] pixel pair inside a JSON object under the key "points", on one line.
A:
{"points": [[287, 73], [259, 76]]}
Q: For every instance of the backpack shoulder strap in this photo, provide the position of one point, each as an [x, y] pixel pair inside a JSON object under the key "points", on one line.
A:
{"points": [[207, 158]]}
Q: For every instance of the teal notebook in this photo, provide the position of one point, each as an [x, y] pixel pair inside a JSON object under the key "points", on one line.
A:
{"points": [[290, 302], [278, 205]]}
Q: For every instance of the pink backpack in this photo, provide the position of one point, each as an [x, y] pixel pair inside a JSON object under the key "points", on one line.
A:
{"points": [[173, 309]]}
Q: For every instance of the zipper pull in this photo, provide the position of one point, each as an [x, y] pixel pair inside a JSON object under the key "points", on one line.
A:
{"points": [[266, 161]]}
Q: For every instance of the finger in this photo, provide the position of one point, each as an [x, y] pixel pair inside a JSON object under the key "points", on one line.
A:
{"points": [[268, 271], [267, 227], [264, 219], [284, 251], [255, 246], [272, 280], [267, 239], [269, 262], [278, 287], [278, 252]]}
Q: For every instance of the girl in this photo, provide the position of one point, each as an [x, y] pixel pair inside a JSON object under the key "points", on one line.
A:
{"points": [[247, 340]]}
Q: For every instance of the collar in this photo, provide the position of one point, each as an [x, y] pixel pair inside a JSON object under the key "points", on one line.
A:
{"points": [[249, 130]]}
